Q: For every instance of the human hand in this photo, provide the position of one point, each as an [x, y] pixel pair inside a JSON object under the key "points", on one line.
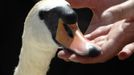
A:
{"points": [[127, 50], [97, 7], [124, 10], [113, 39]]}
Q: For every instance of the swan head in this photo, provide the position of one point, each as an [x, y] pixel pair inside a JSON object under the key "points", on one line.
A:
{"points": [[60, 21]]}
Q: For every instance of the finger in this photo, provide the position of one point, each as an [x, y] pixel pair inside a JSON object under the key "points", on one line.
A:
{"points": [[87, 60], [106, 54], [99, 32], [126, 52], [63, 54], [118, 12], [82, 60]]}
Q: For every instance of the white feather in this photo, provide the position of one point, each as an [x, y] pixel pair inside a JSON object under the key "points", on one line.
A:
{"points": [[38, 48]]}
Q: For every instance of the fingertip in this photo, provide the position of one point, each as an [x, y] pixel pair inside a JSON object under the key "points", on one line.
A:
{"points": [[124, 54], [107, 16], [63, 55], [87, 35], [73, 58]]}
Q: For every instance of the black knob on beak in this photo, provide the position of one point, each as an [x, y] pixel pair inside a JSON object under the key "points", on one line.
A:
{"points": [[93, 51]]}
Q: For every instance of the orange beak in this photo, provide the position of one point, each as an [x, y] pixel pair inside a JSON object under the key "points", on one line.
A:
{"points": [[78, 43]]}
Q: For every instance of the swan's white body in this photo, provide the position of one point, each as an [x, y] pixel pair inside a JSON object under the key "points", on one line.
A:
{"points": [[38, 47]]}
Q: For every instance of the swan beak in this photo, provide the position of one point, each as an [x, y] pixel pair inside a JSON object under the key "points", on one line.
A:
{"points": [[73, 40]]}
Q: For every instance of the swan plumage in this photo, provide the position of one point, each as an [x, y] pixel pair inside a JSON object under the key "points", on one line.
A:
{"points": [[39, 43], [38, 47]]}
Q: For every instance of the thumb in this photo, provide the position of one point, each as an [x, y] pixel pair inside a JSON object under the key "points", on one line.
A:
{"points": [[118, 12]]}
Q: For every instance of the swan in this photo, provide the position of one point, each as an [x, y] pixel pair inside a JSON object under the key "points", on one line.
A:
{"points": [[50, 24]]}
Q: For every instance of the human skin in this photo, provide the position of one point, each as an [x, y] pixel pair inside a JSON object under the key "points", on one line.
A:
{"points": [[114, 14], [97, 7], [114, 39], [103, 35]]}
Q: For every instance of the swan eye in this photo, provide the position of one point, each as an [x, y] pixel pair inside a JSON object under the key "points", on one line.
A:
{"points": [[41, 15]]}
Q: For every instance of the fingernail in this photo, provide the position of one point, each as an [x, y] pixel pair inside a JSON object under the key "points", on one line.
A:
{"points": [[73, 58], [107, 16], [87, 36], [123, 55], [61, 54]]}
